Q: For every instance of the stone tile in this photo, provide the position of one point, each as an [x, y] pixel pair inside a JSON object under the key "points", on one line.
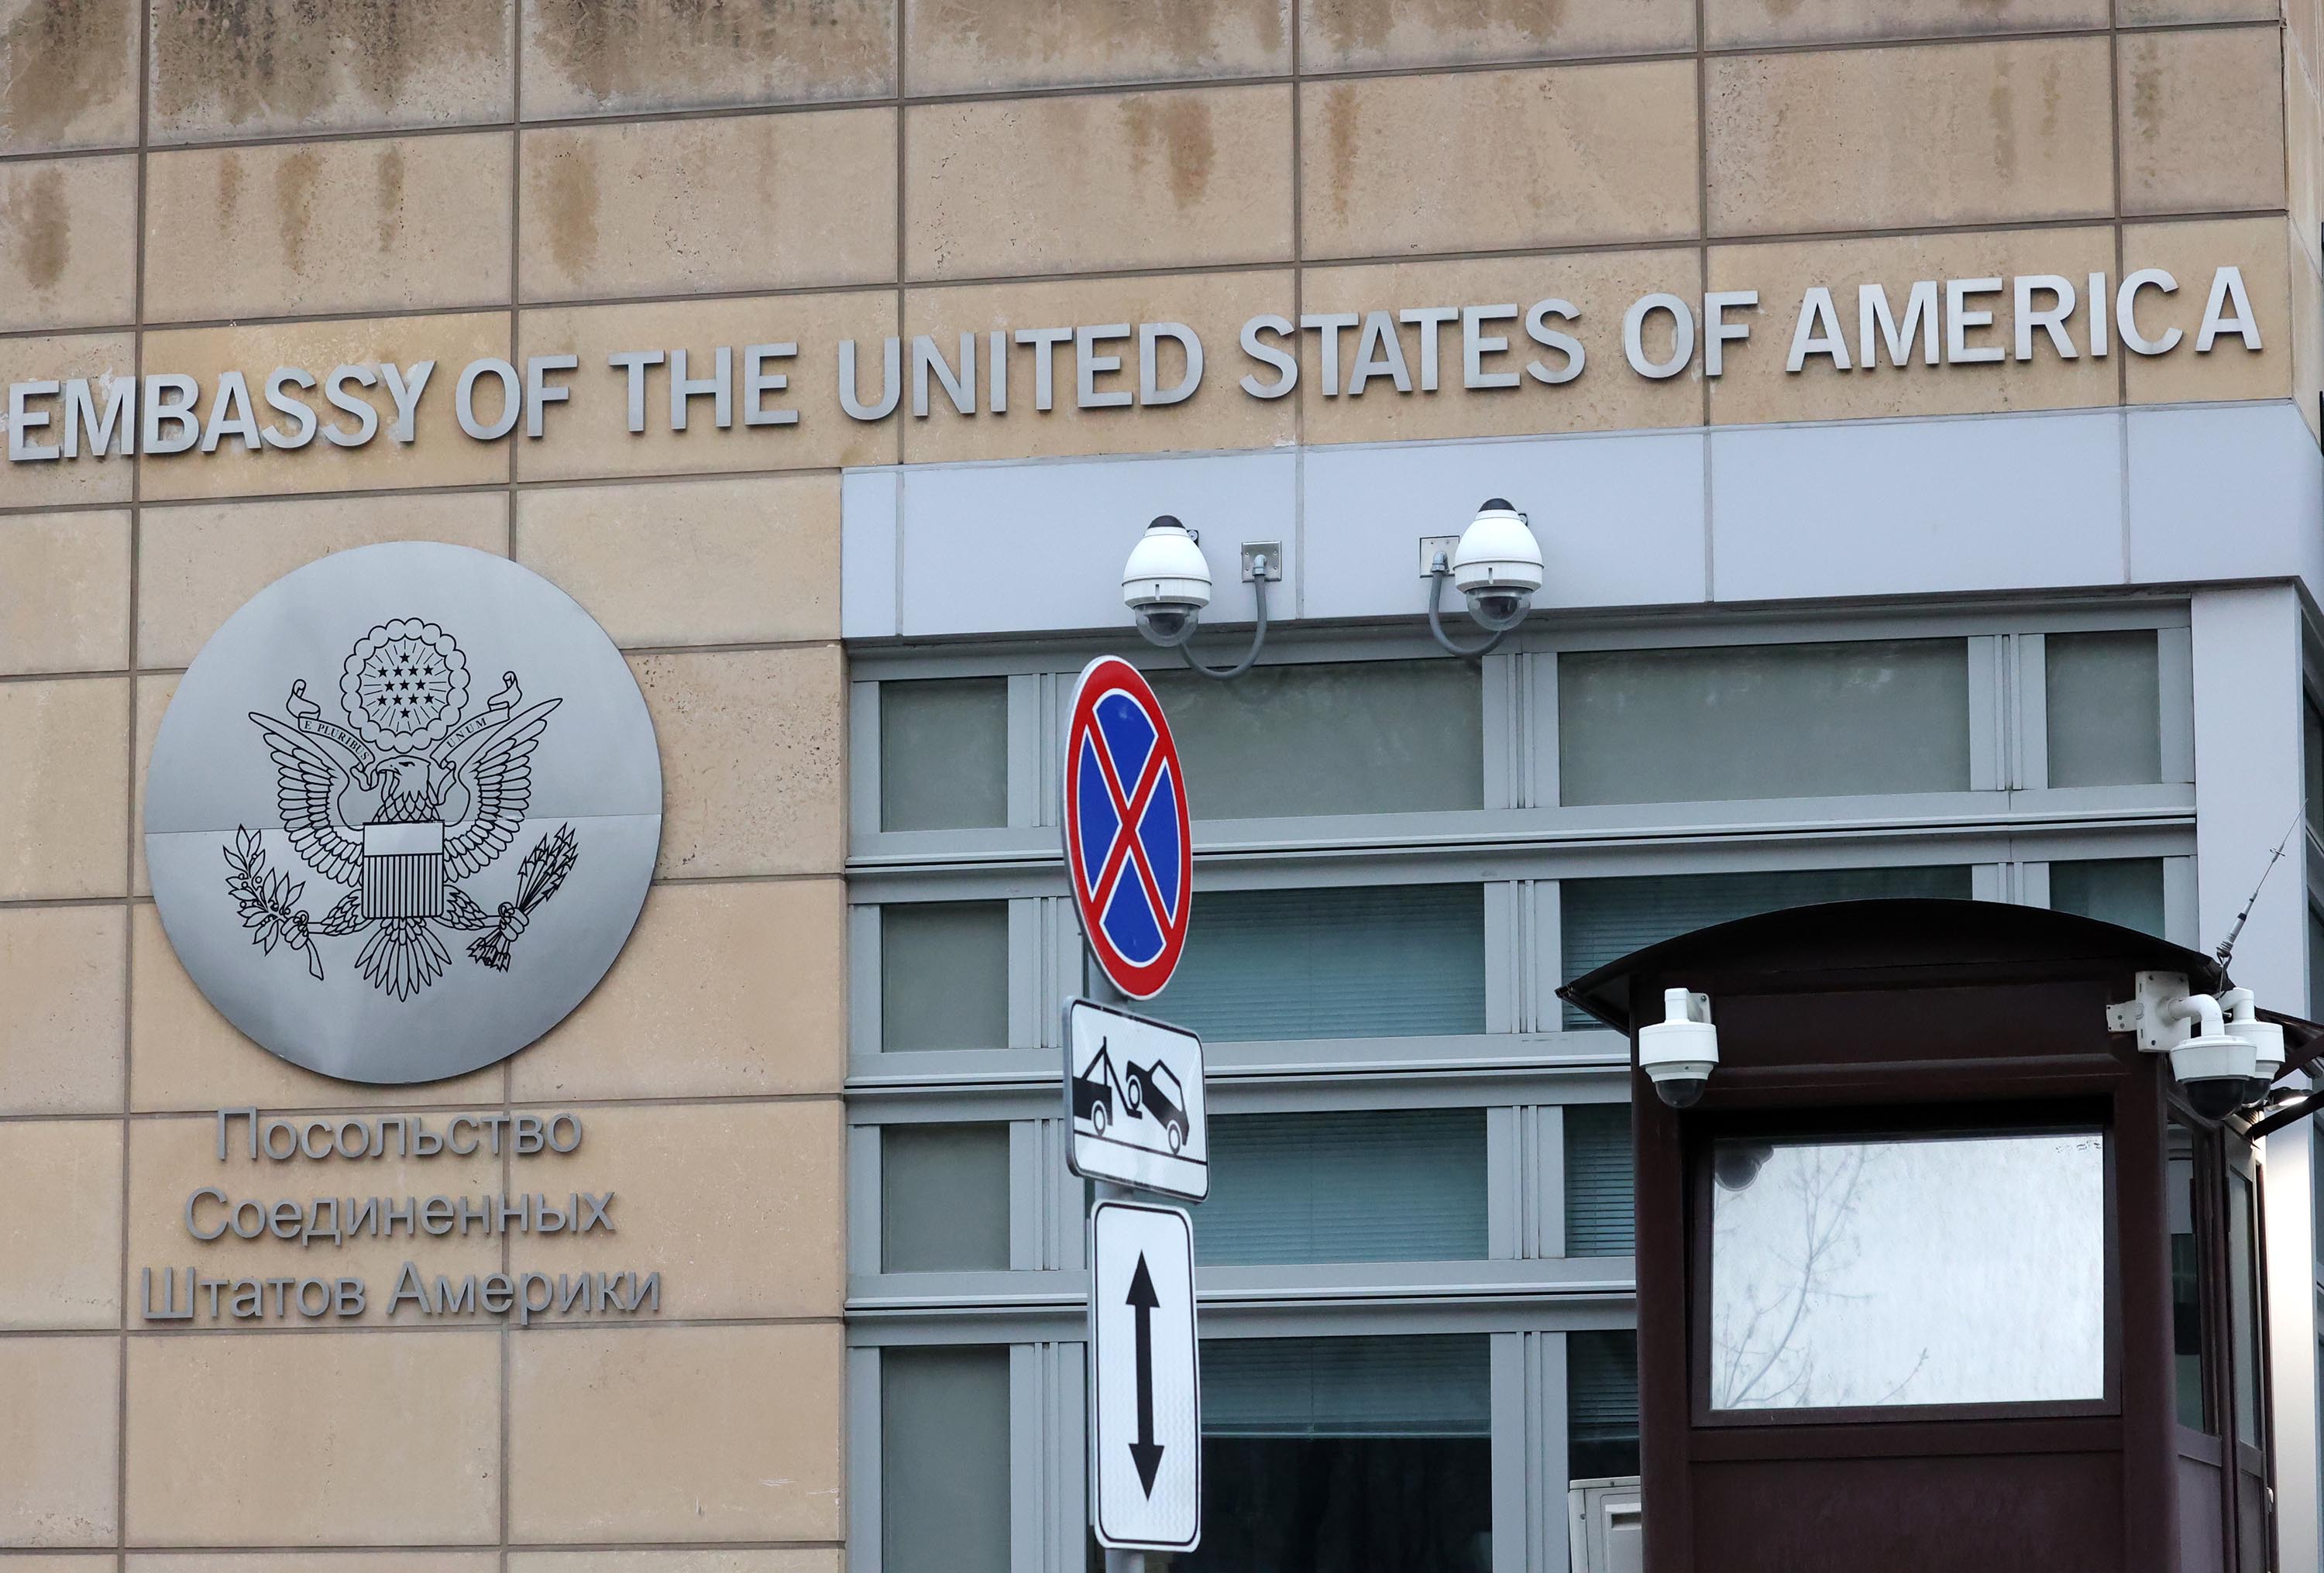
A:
{"points": [[198, 565], [64, 804], [64, 972], [68, 236], [986, 46], [398, 223], [185, 1055], [2003, 131], [2151, 12], [60, 1451], [101, 357], [1608, 396], [1755, 386], [1486, 161], [2192, 253], [677, 1433], [313, 1562], [1219, 415], [725, 988], [589, 437], [59, 1562], [68, 74], [2303, 138], [1112, 180], [368, 1439], [582, 57], [1752, 24], [1356, 36], [770, 1559], [674, 207], [271, 66], [439, 453], [751, 560], [153, 696], [754, 760], [740, 1203], [171, 1159], [2202, 120], [61, 1234], [64, 592]]}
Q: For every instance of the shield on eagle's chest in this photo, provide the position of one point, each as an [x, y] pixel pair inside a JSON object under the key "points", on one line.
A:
{"points": [[402, 870]]}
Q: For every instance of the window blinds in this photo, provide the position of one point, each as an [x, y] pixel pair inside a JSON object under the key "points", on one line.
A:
{"points": [[1601, 1387], [2124, 890], [1367, 1185], [1599, 1219], [1427, 1386]]}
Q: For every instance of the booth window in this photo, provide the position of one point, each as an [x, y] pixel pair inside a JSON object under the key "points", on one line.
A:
{"points": [[1368, 1185], [1342, 1454], [1348, 961], [1601, 1219], [943, 975], [944, 753], [1923, 1270], [2103, 699], [2196, 1405], [2120, 890], [1601, 1405], [944, 1460], [1331, 737], [2244, 1344], [1693, 726], [943, 1198]]}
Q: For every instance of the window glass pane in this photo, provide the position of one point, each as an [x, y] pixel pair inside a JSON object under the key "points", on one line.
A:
{"points": [[943, 1198], [1361, 962], [1762, 720], [944, 753], [2124, 890], [1907, 1271], [1367, 1185], [1601, 1405], [1346, 1455], [944, 1460], [2315, 967], [2243, 1308], [943, 975], [2105, 708], [2312, 750], [1602, 920], [1599, 1216], [1337, 737], [2193, 1371]]}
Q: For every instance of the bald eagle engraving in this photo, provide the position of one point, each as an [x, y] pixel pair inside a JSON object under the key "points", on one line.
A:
{"points": [[408, 799]]}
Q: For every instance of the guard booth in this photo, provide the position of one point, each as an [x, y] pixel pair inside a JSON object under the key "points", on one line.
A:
{"points": [[1939, 1268]]}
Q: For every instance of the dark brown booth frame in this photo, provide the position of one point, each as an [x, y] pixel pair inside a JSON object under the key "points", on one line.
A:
{"points": [[1885, 1019]]}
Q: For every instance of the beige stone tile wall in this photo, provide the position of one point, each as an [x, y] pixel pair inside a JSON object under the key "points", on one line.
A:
{"points": [[202, 186]]}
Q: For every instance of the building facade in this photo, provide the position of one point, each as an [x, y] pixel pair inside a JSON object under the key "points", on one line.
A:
{"points": [[1917, 405]]}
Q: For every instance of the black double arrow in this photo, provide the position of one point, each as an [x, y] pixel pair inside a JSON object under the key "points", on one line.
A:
{"points": [[1145, 1452]]}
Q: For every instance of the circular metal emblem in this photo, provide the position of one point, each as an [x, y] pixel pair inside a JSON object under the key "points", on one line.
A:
{"points": [[403, 812]]}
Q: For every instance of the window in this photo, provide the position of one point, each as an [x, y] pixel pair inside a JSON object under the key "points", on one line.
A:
{"points": [[1600, 1212], [1601, 1405], [2123, 890], [1763, 720], [2244, 1344], [2104, 707], [1925, 1270], [1604, 920], [1344, 963], [943, 1198], [1350, 737], [1343, 1454], [944, 753], [944, 1460], [2311, 753], [1367, 1185], [943, 975], [2191, 1368]]}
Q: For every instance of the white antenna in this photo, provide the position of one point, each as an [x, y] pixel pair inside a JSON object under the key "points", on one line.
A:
{"points": [[2227, 946]]}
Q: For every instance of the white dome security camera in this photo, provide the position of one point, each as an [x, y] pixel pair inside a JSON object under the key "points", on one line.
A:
{"points": [[1166, 584], [1679, 1053], [1497, 565], [2265, 1037], [2215, 1067]]}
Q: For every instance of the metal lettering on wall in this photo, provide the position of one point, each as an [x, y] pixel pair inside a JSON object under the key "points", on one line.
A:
{"points": [[403, 812]]}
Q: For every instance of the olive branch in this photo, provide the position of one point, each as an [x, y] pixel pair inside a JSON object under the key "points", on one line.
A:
{"points": [[267, 901]]}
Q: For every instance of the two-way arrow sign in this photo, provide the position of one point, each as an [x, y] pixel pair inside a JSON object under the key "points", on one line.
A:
{"points": [[1146, 1457]]}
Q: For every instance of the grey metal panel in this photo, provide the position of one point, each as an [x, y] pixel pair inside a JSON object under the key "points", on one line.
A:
{"points": [[863, 1198], [2032, 689], [1988, 714], [1545, 1183], [863, 809], [864, 1456], [2175, 693], [1512, 1407], [1030, 786], [1917, 506], [1504, 1184], [2224, 491], [870, 503]]}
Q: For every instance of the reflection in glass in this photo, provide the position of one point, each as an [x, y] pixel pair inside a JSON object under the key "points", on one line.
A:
{"points": [[2194, 1375], [2243, 1308], [1908, 1271]]}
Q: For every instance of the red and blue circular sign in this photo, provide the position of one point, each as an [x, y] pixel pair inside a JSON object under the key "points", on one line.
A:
{"points": [[1128, 853]]}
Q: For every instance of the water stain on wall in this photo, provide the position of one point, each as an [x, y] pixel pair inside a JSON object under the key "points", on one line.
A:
{"points": [[1188, 35], [1343, 115], [59, 59], [229, 191], [294, 205], [1366, 25], [243, 60], [388, 169], [565, 188], [1179, 124], [685, 51], [39, 228]]}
